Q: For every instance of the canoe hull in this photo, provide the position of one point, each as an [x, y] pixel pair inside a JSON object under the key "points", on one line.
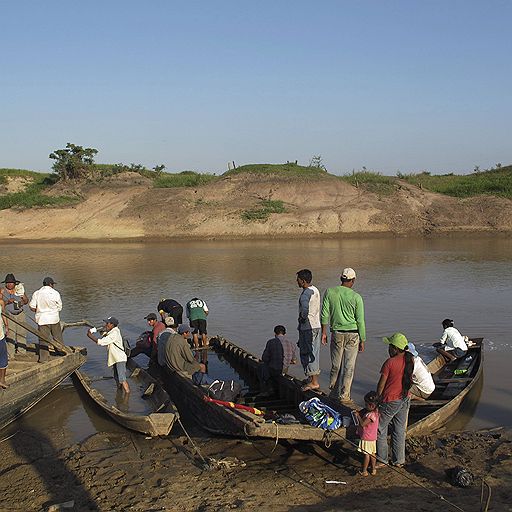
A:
{"points": [[157, 423], [28, 387]]}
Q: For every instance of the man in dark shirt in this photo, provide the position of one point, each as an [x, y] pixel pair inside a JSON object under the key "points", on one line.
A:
{"points": [[279, 353]]}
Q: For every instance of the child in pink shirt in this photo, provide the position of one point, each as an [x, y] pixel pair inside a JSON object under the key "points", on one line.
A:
{"points": [[367, 430]]}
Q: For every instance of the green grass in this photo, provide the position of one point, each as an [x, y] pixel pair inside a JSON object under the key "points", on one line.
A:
{"points": [[33, 193], [183, 179], [497, 182], [263, 211], [371, 181], [288, 169]]}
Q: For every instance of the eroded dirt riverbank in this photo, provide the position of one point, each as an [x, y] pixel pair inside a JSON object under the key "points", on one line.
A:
{"points": [[125, 471]]}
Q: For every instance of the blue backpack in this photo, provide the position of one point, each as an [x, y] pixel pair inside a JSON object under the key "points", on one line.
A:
{"points": [[320, 415]]}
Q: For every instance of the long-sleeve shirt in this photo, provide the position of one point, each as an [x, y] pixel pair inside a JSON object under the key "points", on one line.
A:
{"points": [[47, 303], [309, 309], [114, 343], [178, 355], [453, 339], [343, 310]]}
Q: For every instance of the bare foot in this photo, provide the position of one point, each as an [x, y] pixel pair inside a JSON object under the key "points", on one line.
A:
{"points": [[309, 386], [363, 473], [373, 472]]}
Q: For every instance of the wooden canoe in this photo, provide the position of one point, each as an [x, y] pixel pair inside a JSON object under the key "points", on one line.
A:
{"points": [[30, 381], [454, 381], [227, 360], [159, 414]]}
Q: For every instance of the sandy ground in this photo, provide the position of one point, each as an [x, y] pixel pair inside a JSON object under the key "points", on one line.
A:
{"points": [[129, 472], [127, 207]]}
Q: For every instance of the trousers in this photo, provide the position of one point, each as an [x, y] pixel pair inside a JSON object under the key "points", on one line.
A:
{"points": [[344, 350]]}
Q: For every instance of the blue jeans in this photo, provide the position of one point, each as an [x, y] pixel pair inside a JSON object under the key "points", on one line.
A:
{"points": [[344, 350], [309, 348], [396, 413], [120, 372]]}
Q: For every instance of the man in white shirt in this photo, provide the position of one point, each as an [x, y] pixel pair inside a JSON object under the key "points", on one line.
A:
{"points": [[117, 358], [46, 303], [422, 382]]}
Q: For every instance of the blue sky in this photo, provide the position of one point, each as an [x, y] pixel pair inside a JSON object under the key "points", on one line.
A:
{"points": [[389, 85]]}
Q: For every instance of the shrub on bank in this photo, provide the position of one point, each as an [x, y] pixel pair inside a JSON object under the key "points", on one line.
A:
{"points": [[289, 169], [371, 181], [263, 211], [497, 182], [183, 179]]}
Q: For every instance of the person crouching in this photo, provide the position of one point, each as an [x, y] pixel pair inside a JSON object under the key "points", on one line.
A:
{"points": [[116, 354]]}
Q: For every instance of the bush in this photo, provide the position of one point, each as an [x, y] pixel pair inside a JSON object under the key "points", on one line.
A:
{"points": [[264, 210], [496, 182], [371, 181], [288, 169], [183, 179]]}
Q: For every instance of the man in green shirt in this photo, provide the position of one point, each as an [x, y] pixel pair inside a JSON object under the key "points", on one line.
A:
{"points": [[343, 310]]}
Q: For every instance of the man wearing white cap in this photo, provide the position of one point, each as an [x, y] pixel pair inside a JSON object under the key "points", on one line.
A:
{"points": [[343, 310]]}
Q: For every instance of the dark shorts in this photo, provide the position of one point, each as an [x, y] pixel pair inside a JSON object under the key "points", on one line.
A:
{"points": [[199, 326]]}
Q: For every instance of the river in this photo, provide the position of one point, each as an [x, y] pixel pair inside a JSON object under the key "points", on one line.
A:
{"points": [[408, 285]]}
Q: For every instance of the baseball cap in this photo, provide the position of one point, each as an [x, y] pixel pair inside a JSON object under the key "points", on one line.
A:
{"points": [[412, 349], [169, 321], [183, 328], [112, 320], [398, 340], [48, 281], [348, 273], [151, 316]]}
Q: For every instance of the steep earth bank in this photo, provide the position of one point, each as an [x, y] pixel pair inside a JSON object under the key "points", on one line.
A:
{"points": [[126, 206]]}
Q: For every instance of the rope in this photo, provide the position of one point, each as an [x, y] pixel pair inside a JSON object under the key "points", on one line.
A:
{"points": [[404, 474], [488, 500], [206, 465]]}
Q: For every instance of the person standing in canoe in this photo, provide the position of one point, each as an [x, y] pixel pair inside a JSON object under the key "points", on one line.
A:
{"points": [[343, 310], [46, 303], [13, 294], [197, 311], [113, 340], [309, 328]]}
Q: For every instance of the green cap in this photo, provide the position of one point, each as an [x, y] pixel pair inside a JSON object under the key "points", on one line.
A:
{"points": [[398, 340]]}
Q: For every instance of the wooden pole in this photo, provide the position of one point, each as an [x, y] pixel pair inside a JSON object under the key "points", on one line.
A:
{"points": [[53, 343]]}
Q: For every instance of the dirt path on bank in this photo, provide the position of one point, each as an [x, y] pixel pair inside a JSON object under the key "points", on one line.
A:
{"points": [[128, 472], [127, 207]]}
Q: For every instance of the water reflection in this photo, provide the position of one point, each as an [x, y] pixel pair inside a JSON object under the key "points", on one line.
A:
{"points": [[408, 284]]}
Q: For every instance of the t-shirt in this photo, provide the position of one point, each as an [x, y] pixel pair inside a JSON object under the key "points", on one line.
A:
{"points": [[196, 309], [2, 330], [422, 377], [309, 309], [157, 329], [161, 342], [114, 342], [369, 432], [343, 310], [453, 339], [393, 368]]}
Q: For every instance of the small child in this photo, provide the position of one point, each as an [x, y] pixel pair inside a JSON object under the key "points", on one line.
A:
{"points": [[453, 342], [367, 429]]}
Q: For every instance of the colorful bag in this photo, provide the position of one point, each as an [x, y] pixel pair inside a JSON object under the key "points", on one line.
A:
{"points": [[320, 415]]}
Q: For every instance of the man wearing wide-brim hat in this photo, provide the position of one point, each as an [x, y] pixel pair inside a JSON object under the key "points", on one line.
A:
{"points": [[13, 294], [47, 304]]}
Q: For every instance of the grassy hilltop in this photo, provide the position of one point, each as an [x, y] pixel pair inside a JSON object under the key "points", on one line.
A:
{"points": [[21, 188]]}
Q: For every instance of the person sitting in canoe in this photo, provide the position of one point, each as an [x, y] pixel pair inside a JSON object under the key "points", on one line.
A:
{"points": [[279, 353], [178, 355], [453, 342], [147, 341], [117, 358], [163, 338], [422, 382]]}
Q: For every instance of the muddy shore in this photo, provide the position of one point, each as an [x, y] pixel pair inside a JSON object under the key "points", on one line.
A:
{"points": [[127, 471]]}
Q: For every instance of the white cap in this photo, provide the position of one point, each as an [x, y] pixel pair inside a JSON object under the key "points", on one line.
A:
{"points": [[348, 273]]}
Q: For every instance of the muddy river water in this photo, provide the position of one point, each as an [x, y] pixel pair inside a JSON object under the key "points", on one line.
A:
{"points": [[407, 284]]}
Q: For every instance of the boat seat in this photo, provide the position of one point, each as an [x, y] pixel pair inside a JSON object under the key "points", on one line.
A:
{"points": [[457, 383]]}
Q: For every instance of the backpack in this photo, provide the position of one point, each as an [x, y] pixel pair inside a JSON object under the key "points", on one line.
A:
{"points": [[225, 390], [126, 348], [144, 340], [320, 415]]}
